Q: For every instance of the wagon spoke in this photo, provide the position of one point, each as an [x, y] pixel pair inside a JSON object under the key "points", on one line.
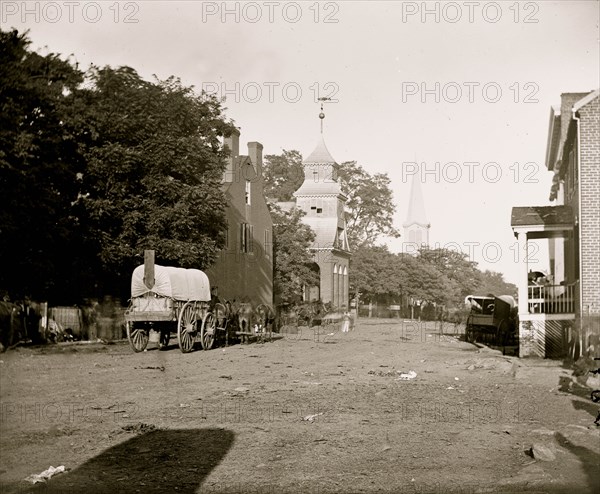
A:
{"points": [[187, 328], [207, 337], [138, 337]]}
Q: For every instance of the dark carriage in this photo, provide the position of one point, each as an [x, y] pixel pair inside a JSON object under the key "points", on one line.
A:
{"points": [[491, 320]]}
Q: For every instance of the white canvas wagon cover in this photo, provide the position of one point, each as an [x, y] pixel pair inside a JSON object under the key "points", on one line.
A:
{"points": [[176, 283]]}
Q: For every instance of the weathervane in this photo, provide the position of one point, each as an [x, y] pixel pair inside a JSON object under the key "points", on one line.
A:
{"points": [[322, 115]]}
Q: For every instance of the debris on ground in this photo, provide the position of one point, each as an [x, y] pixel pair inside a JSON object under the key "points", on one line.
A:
{"points": [[45, 475], [400, 375], [160, 368], [311, 418], [139, 428], [407, 376]]}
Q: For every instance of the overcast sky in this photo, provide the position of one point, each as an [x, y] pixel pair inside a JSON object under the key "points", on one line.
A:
{"points": [[463, 88]]}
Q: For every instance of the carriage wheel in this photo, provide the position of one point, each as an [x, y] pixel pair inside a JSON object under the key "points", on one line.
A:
{"points": [[502, 334], [138, 337], [209, 328], [469, 332], [187, 328]]}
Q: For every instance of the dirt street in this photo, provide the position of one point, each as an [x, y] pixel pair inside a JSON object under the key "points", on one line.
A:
{"points": [[337, 413]]}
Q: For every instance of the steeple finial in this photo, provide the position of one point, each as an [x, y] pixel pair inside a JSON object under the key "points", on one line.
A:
{"points": [[322, 115]]}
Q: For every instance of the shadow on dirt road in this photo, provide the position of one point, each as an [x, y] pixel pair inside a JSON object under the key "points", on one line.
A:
{"points": [[162, 461]]}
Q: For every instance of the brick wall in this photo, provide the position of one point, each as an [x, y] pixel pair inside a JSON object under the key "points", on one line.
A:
{"points": [[590, 205]]}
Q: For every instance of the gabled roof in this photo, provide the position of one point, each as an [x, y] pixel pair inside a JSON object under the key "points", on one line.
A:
{"points": [[584, 101], [560, 125], [416, 205], [320, 154], [553, 138]]}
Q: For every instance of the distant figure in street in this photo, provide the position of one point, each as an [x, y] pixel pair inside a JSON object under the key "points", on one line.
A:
{"points": [[346, 320]]}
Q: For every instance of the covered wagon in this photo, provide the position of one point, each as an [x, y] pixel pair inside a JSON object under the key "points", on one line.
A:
{"points": [[168, 299]]}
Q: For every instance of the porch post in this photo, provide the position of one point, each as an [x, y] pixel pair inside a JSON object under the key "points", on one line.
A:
{"points": [[526, 333], [524, 275]]}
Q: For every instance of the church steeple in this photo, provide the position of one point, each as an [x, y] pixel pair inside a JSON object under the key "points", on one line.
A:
{"points": [[416, 226]]}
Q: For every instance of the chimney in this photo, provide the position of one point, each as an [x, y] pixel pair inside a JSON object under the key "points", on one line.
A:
{"points": [[255, 151], [233, 143]]}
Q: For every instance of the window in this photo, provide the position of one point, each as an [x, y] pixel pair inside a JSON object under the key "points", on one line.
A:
{"points": [[246, 238], [248, 189]]}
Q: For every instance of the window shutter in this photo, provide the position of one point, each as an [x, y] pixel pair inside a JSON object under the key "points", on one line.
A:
{"points": [[242, 237], [250, 238]]}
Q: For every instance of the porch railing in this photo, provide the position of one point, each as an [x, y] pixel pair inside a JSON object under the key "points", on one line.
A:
{"points": [[551, 299]]}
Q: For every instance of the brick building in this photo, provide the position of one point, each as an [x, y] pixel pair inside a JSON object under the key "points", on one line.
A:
{"points": [[561, 315], [244, 270], [320, 197]]}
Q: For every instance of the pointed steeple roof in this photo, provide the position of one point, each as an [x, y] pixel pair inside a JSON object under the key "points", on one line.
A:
{"points": [[320, 155], [416, 205], [320, 178]]}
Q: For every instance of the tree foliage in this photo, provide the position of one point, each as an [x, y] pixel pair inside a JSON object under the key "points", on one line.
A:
{"points": [[370, 204], [375, 272], [493, 282], [434, 276], [292, 258], [153, 173], [39, 162], [97, 167], [283, 174]]}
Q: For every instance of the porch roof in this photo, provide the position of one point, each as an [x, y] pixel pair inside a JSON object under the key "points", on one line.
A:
{"points": [[542, 221]]}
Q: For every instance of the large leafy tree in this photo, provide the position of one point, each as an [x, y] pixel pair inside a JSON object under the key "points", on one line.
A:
{"points": [[154, 167], [97, 167], [39, 163], [493, 282], [463, 275], [370, 204], [375, 272], [283, 174], [379, 274], [292, 258]]}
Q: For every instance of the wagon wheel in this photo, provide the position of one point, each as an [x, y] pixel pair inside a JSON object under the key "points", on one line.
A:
{"points": [[208, 332], [138, 337], [469, 331], [503, 334], [187, 327]]}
